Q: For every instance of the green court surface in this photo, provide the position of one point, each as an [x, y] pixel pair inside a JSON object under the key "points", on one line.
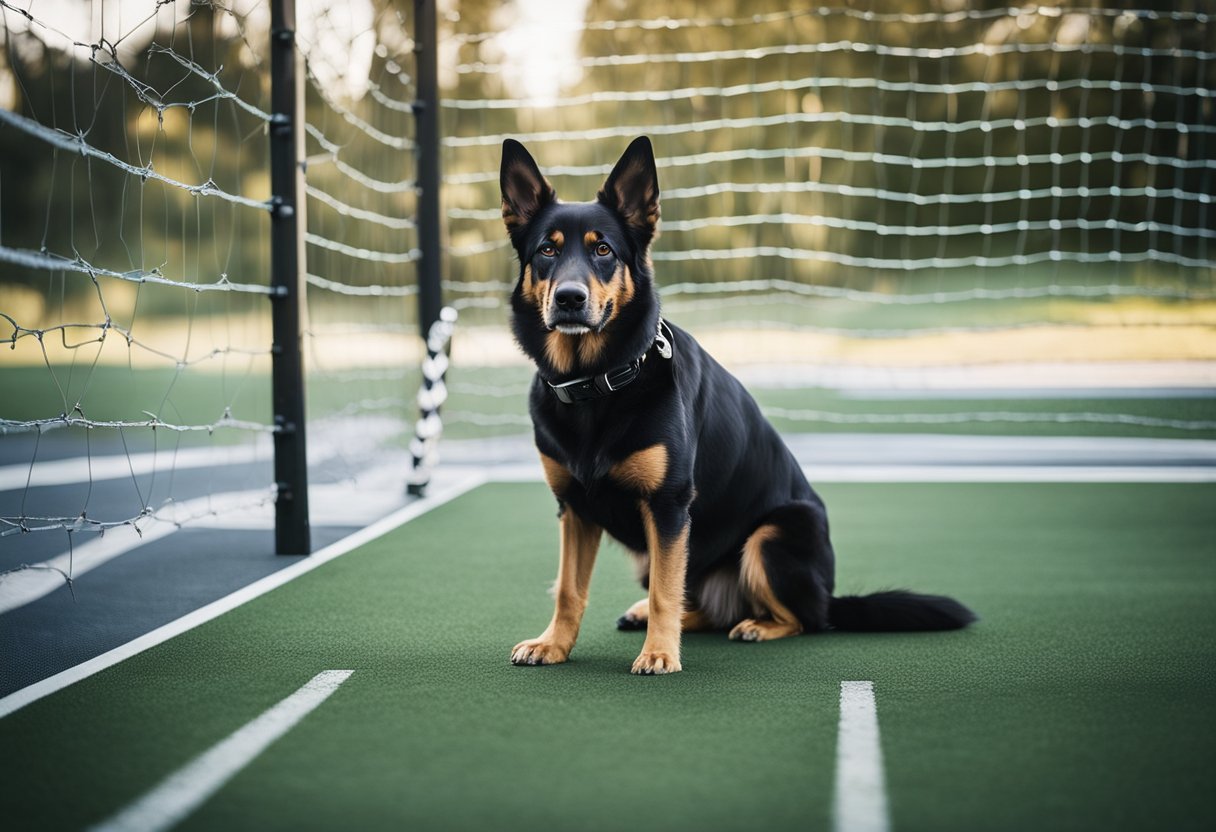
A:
{"points": [[1082, 700]]}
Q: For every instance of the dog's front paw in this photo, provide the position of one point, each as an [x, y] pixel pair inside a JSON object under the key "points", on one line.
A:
{"points": [[539, 651], [656, 662]]}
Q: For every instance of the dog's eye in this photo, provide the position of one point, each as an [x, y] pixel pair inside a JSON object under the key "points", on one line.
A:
{"points": [[548, 250], [603, 250]]}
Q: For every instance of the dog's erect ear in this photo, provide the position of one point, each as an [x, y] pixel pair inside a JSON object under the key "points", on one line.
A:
{"points": [[632, 189], [524, 189]]}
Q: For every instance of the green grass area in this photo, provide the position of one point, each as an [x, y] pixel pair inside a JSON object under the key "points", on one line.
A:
{"points": [[839, 405], [196, 397], [783, 309], [192, 397], [1082, 700], [833, 402], [107, 392]]}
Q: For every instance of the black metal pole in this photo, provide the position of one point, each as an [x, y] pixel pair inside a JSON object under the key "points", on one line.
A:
{"points": [[426, 114], [292, 535]]}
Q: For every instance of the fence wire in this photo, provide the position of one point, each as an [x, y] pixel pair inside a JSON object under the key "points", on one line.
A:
{"points": [[133, 219], [910, 187], [907, 186], [135, 245]]}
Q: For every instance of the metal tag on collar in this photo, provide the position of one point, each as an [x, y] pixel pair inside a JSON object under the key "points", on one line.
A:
{"points": [[662, 341]]}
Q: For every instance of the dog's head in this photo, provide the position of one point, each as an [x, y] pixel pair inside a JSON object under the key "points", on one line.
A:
{"points": [[585, 299]]}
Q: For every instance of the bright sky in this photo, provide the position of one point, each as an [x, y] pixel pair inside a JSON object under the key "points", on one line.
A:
{"points": [[129, 23], [539, 45], [538, 40], [336, 34]]}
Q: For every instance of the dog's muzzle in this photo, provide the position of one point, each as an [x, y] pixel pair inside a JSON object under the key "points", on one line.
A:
{"points": [[570, 310]]}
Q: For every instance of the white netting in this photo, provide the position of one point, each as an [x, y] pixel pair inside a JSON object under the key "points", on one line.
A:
{"points": [[134, 225], [928, 197], [135, 258]]}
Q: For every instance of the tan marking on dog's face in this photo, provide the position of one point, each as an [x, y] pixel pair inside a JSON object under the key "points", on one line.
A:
{"points": [[560, 351], [591, 346], [773, 619], [534, 291], [600, 293], [591, 238], [643, 470], [620, 291], [556, 474], [626, 288], [543, 298]]}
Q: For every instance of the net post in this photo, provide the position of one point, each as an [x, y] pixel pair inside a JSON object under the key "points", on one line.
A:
{"points": [[431, 396], [433, 330], [426, 117], [291, 525]]}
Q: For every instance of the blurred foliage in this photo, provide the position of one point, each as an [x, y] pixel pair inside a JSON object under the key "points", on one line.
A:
{"points": [[75, 206], [836, 85]]}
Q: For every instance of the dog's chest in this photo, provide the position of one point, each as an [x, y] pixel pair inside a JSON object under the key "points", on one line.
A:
{"points": [[597, 495]]}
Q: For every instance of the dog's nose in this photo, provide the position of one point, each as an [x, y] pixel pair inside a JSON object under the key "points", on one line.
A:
{"points": [[570, 296]]}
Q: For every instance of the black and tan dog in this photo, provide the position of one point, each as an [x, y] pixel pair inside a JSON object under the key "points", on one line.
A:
{"points": [[644, 436]]}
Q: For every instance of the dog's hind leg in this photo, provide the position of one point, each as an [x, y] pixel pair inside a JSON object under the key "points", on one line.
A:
{"points": [[786, 574], [637, 616]]}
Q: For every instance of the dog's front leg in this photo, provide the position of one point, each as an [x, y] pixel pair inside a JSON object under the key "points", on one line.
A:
{"points": [[667, 528], [580, 540]]}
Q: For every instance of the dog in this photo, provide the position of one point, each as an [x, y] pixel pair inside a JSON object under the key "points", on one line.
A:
{"points": [[643, 436]]}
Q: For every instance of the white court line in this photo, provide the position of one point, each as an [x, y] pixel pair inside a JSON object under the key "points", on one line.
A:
{"points": [[329, 442], [378, 494], [81, 469], [860, 800], [1011, 473], [471, 477], [531, 472], [19, 588], [32, 693], [186, 789], [338, 504]]}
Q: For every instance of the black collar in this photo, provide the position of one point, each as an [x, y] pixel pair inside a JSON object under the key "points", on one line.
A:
{"points": [[595, 387]]}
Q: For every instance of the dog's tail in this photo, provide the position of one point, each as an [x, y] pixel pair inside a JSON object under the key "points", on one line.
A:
{"points": [[897, 611]]}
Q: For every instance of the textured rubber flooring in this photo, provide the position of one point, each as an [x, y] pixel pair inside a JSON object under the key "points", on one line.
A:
{"points": [[1082, 700], [119, 601]]}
